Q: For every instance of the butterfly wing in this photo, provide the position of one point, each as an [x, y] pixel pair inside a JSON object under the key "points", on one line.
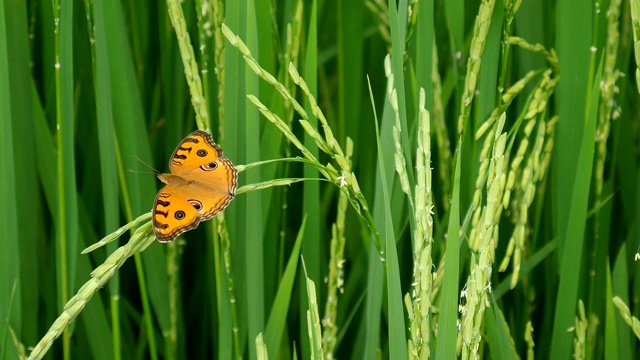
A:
{"points": [[199, 159], [173, 214]]}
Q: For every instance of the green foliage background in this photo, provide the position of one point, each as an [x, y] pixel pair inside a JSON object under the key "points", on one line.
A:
{"points": [[522, 145]]}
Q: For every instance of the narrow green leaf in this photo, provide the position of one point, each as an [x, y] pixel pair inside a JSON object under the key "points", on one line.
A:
{"points": [[611, 332], [526, 268], [278, 315], [9, 253], [397, 338], [567, 299], [447, 325], [573, 50], [424, 50], [455, 17], [253, 217], [106, 131], [499, 339], [67, 234], [312, 251], [234, 133], [137, 191], [397, 23], [620, 281], [28, 205]]}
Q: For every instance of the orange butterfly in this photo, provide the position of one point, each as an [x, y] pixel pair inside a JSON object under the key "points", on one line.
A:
{"points": [[202, 183]]}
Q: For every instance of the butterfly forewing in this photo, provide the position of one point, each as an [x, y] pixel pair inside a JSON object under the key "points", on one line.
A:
{"points": [[197, 148]]}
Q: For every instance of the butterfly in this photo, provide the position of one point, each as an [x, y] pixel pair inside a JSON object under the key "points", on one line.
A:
{"points": [[201, 183]]}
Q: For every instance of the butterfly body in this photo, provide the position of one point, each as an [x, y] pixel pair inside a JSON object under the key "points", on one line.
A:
{"points": [[175, 180], [201, 183]]}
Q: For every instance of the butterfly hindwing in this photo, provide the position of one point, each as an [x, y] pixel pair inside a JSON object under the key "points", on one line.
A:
{"points": [[173, 214]]}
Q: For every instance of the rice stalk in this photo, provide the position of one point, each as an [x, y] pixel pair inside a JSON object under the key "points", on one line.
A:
{"points": [[525, 188], [347, 180], [419, 305], [313, 319], [482, 242], [631, 320], [217, 16], [549, 55], [480, 30], [292, 56], [335, 281], [608, 109], [261, 348], [441, 133], [204, 16], [191, 72], [400, 163], [528, 338], [579, 341], [225, 243], [380, 12], [635, 29], [139, 241]]}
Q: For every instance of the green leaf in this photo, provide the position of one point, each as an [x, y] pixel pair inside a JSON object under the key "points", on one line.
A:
{"points": [[567, 300], [280, 309], [447, 325]]}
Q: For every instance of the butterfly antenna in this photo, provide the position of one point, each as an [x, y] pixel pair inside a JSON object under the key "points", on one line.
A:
{"points": [[147, 165]]}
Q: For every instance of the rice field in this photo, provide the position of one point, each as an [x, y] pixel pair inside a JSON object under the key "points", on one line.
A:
{"points": [[416, 179]]}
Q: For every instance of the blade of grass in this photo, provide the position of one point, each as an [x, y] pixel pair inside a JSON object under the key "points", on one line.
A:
{"points": [[109, 175], [350, 17], [28, 199], [67, 230], [487, 86], [620, 281], [455, 18], [397, 18], [45, 152], [425, 37], [223, 317], [573, 52], [264, 42], [500, 342], [172, 83], [253, 216], [235, 109], [130, 139], [397, 337], [276, 324], [313, 320], [447, 324], [312, 250], [9, 253], [611, 331], [376, 278], [526, 268], [574, 237], [94, 315]]}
